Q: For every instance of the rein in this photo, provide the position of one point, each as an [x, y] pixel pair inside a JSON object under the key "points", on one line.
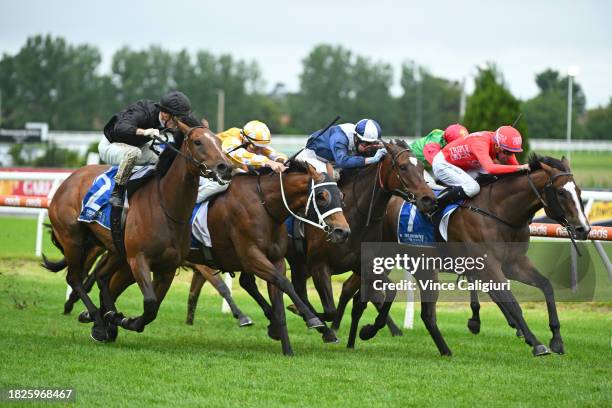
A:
{"points": [[262, 200], [201, 166]]}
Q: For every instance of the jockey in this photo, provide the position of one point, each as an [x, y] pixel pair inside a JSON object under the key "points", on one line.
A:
{"points": [[346, 145], [428, 146], [249, 146], [476, 153], [127, 136]]}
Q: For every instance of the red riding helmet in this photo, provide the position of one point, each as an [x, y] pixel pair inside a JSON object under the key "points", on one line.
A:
{"points": [[454, 132], [508, 138]]}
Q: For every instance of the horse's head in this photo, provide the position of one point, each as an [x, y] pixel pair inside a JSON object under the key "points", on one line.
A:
{"points": [[561, 195], [204, 148], [324, 206], [401, 173]]}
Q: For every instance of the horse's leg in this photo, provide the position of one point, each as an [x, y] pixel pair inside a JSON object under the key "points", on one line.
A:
{"points": [[321, 277], [247, 282], [429, 299], [278, 308], [76, 254], [88, 282], [224, 291], [393, 328], [103, 272], [297, 265], [524, 271], [506, 301], [356, 313], [370, 330], [474, 321], [261, 266], [511, 323], [141, 270], [197, 281], [349, 288]]}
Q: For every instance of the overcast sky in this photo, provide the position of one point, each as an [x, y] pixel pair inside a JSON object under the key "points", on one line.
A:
{"points": [[450, 38]]}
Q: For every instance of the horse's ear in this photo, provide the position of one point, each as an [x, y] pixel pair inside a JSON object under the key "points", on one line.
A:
{"points": [[204, 123], [565, 162], [312, 171]]}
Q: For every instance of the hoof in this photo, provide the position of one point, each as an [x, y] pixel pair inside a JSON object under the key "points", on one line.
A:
{"points": [[367, 332], [113, 317], [274, 332], [519, 333], [85, 317], [68, 309], [540, 350], [189, 322], [397, 333], [330, 337], [556, 346], [293, 309], [99, 334], [314, 323], [244, 321], [447, 353], [474, 326], [112, 331]]}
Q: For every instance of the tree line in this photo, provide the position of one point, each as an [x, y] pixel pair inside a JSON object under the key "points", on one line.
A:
{"points": [[50, 80]]}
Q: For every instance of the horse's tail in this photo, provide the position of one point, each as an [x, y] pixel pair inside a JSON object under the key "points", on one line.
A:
{"points": [[46, 262]]}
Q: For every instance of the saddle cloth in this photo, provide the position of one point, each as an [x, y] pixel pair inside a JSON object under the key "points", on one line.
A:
{"points": [[415, 228], [200, 235], [95, 206]]}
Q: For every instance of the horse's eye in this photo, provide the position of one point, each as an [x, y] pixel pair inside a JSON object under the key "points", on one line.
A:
{"points": [[197, 142], [561, 192], [403, 167]]}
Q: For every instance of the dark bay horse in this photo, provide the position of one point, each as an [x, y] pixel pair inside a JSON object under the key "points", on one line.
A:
{"points": [[513, 199], [157, 231], [248, 235], [366, 194]]}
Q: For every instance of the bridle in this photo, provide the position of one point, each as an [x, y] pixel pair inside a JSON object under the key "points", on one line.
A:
{"points": [[311, 200], [403, 193], [204, 170], [552, 207]]}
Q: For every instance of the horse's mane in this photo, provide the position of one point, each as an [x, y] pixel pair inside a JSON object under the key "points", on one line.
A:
{"points": [[535, 162], [166, 158], [347, 175]]}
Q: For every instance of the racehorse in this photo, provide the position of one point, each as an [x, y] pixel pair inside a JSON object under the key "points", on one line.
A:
{"points": [[501, 213], [157, 231], [366, 193], [247, 234]]}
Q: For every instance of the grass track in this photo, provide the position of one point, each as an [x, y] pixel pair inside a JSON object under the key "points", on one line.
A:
{"points": [[215, 363]]}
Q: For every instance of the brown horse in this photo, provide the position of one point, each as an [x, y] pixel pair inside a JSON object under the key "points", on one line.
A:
{"points": [[248, 235], [157, 231], [501, 213], [366, 194]]}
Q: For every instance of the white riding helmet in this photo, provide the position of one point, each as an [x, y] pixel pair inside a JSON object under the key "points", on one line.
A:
{"points": [[368, 130], [257, 132]]}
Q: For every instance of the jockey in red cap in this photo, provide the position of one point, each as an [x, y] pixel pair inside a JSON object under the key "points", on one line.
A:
{"points": [[475, 153], [428, 146]]}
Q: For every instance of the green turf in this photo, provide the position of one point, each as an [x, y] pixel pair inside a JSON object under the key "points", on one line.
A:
{"points": [[215, 363]]}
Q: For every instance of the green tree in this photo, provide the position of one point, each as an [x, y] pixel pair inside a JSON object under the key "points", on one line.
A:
{"points": [[325, 88], [51, 81], [492, 105], [546, 113], [439, 99], [599, 122]]}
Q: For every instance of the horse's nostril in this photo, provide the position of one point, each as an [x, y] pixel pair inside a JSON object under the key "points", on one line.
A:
{"points": [[341, 233]]}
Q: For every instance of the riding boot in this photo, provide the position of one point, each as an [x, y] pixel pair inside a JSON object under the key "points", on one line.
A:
{"points": [[124, 171], [116, 198], [450, 195]]}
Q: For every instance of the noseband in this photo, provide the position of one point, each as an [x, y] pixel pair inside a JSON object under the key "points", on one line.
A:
{"points": [[404, 193]]}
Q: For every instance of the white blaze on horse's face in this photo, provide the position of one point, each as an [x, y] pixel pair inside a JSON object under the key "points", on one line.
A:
{"points": [[570, 187], [414, 161]]}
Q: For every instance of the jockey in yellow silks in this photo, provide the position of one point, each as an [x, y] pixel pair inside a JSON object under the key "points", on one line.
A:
{"points": [[247, 147]]}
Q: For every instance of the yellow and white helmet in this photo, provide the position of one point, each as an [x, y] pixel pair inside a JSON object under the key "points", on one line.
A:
{"points": [[257, 132]]}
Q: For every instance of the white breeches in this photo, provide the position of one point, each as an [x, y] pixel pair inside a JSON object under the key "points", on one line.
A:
{"points": [[452, 175], [209, 187]]}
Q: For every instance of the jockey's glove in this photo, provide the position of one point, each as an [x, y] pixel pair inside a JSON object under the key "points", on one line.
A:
{"points": [[380, 153], [150, 132]]}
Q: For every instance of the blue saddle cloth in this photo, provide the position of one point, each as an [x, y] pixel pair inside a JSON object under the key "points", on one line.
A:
{"points": [[95, 206], [415, 228]]}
